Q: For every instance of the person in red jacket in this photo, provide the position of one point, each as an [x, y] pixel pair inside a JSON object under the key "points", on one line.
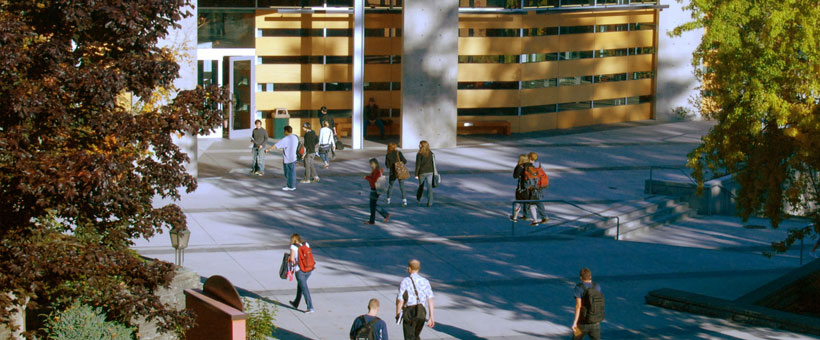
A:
{"points": [[375, 173]]}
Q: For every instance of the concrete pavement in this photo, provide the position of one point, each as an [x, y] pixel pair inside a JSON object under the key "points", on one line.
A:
{"points": [[488, 284]]}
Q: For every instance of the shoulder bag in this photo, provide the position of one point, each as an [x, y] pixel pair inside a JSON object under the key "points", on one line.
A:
{"points": [[400, 169], [436, 176]]}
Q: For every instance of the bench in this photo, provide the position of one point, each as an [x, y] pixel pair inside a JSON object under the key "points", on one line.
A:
{"points": [[392, 127], [501, 127]]}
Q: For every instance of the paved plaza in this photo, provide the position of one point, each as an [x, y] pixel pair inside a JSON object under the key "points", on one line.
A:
{"points": [[489, 283]]}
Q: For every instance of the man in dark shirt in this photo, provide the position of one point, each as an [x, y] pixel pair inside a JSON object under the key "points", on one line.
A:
{"points": [[372, 111], [581, 328], [323, 116], [310, 142], [379, 327], [258, 138]]}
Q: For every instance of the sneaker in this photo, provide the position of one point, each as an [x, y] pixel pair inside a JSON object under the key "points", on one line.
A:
{"points": [[289, 189], [316, 179], [285, 188], [369, 223], [309, 311], [512, 218], [388, 200], [544, 221], [535, 224], [404, 202], [525, 218], [304, 181], [387, 218], [294, 305], [814, 254], [259, 173]]}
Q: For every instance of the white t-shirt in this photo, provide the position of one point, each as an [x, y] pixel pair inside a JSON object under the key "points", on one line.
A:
{"points": [[294, 249], [288, 146], [326, 136]]}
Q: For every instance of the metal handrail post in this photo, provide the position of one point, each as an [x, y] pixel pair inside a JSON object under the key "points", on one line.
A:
{"points": [[511, 221], [618, 228], [801, 251]]}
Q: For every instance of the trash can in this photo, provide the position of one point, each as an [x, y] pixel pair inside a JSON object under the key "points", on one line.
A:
{"points": [[280, 120]]}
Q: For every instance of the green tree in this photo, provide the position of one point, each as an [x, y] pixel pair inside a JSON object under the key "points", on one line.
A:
{"points": [[759, 62], [79, 170]]}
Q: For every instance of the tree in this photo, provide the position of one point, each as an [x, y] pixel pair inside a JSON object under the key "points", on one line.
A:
{"points": [[759, 62], [79, 171]]}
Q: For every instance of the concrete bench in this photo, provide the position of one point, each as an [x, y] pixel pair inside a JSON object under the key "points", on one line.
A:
{"points": [[215, 319], [500, 127]]}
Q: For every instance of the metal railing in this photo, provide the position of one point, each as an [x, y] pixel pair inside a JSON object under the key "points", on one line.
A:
{"points": [[591, 213]]}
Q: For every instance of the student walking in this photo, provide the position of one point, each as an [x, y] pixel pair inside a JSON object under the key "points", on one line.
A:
{"points": [[425, 171], [258, 138], [589, 308], [395, 161], [539, 193], [521, 192], [324, 117], [326, 142], [413, 302], [369, 326], [310, 142], [288, 146], [302, 257], [376, 180]]}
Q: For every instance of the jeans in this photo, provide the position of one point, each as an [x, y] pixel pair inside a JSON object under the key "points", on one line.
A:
{"points": [[325, 156], [427, 180], [258, 159], [593, 330], [401, 188], [310, 170], [378, 123], [540, 206], [374, 206], [289, 170], [302, 289]]}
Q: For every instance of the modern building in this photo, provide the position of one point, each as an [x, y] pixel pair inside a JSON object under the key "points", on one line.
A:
{"points": [[435, 67]]}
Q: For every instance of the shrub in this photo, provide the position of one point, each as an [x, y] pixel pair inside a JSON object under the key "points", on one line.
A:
{"points": [[260, 319], [82, 322]]}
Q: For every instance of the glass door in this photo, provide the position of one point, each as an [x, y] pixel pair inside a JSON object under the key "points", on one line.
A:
{"points": [[241, 79]]}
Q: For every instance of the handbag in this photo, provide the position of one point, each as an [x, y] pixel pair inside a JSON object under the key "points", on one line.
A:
{"points": [[436, 176], [324, 148], [414, 312], [286, 267], [400, 169]]}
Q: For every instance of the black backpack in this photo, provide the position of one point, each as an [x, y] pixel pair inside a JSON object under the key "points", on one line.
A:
{"points": [[367, 331], [592, 305]]}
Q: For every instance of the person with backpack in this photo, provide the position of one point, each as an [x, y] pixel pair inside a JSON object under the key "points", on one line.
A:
{"points": [[310, 142], [378, 183], [302, 257], [395, 161], [539, 191], [521, 192], [589, 308], [288, 145], [369, 326], [414, 294]]}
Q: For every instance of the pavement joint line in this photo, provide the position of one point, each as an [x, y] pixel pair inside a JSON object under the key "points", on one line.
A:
{"points": [[530, 281]]}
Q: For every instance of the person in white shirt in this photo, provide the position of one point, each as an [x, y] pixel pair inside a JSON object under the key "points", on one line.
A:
{"points": [[415, 294], [326, 143], [288, 146]]}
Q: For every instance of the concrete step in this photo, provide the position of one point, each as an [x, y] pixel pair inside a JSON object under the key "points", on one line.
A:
{"points": [[634, 217]]}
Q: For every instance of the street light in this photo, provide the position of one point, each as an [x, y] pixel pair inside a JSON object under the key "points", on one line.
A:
{"points": [[179, 240]]}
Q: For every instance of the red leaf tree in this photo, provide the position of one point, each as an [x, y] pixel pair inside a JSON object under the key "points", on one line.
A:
{"points": [[78, 171]]}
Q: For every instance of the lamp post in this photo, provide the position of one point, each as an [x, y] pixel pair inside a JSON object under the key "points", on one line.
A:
{"points": [[179, 240]]}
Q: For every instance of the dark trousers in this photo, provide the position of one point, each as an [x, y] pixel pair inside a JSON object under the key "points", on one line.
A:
{"points": [[374, 206], [302, 289], [593, 330], [412, 328]]}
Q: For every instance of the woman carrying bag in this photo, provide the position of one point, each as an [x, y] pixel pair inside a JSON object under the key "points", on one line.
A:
{"points": [[394, 161], [426, 172]]}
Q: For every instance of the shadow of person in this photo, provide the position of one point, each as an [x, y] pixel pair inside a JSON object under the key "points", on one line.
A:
{"points": [[456, 332]]}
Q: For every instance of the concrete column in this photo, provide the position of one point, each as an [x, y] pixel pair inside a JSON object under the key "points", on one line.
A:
{"points": [[184, 40], [429, 73], [676, 82], [358, 74]]}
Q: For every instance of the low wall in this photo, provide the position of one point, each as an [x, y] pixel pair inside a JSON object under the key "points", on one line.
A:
{"points": [[174, 296], [214, 319], [717, 197]]}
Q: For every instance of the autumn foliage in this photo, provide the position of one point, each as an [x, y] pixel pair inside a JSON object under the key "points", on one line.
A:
{"points": [[79, 172]]}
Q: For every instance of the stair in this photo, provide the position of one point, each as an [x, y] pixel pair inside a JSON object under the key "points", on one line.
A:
{"points": [[635, 217]]}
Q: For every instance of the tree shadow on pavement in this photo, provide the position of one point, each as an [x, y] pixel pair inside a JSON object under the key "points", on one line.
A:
{"points": [[456, 332]]}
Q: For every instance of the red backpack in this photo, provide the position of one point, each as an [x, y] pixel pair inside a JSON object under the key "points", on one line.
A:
{"points": [[536, 178], [306, 262]]}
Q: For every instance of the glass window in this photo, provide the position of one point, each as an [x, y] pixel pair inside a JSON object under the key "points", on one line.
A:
{"points": [[331, 59], [612, 28], [338, 86], [611, 53], [291, 32], [377, 59], [489, 111], [207, 72], [539, 57], [339, 32], [225, 29], [489, 59], [541, 3], [613, 2], [539, 84], [576, 29], [490, 3], [643, 75], [587, 80], [575, 55], [641, 26], [226, 3], [613, 77], [569, 81], [303, 59], [529, 110], [609, 102], [377, 86], [340, 3], [574, 106], [540, 31], [488, 85], [290, 3], [304, 87], [575, 3]]}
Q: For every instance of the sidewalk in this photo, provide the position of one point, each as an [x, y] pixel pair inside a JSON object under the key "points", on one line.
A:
{"points": [[488, 284]]}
